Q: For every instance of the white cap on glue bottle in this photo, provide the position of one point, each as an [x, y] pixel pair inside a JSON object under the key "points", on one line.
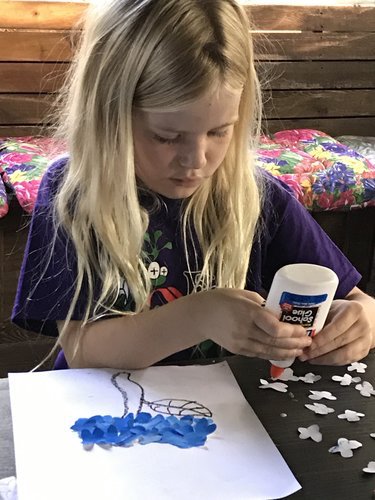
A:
{"points": [[301, 294]]}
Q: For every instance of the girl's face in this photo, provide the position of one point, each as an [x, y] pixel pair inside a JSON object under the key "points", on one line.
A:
{"points": [[175, 152]]}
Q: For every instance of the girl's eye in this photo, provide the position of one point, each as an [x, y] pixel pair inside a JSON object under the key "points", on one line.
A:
{"points": [[165, 140], [219, 133]]}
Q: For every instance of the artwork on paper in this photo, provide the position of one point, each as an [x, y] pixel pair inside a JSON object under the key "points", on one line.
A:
{"points": [[177, 422]]}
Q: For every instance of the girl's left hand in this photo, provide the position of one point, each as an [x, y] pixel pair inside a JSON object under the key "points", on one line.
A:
{"points": [[349, 332]]}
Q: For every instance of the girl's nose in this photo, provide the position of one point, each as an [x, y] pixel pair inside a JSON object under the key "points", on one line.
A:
{"points": [[193, 156]]}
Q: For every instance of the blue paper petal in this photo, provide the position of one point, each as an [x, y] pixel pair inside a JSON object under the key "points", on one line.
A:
{"points": [[184, 432]]}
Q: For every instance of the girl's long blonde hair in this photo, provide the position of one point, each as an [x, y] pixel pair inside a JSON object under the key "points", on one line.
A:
{"points": [[153, 55]]}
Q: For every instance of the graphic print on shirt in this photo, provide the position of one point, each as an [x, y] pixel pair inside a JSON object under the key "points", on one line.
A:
{"points": [[158, 273]]}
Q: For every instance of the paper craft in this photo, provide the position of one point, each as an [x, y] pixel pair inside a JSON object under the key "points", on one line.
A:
{"points": [[370, 469], [345, 447], [287, 375], [320, 408], [317, 395], [311, 432], [238, 459], [8, 488], [346, 379], [351, 416], [310, 378], [365, 389], [372, 435], [190, 430], [276, 386], [358, 367]]}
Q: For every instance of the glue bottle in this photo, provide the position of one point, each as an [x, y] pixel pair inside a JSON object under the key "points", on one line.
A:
{"points": [[301, 294]]}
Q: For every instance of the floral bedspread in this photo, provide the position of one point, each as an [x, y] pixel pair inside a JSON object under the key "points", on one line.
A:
{"points": [[324, 174], [23, 161]]}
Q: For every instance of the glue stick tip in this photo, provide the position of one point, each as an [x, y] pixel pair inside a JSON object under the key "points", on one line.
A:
{"points": [[276, 371]]}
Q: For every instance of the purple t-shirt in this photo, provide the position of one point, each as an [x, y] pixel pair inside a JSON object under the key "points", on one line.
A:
{"points": [[47, 279]]}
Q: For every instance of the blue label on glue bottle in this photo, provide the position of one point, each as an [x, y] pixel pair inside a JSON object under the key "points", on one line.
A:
{"points": [[301, 309]]}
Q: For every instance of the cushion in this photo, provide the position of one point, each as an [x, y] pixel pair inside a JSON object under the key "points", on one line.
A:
{"points": [[330, 175], [23, 161]]}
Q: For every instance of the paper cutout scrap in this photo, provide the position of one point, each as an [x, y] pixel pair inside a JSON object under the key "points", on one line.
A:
{"points": [[351, 416], [310, 378], [365, 389], [317, 395], [345, 447], [8, 488], [311, 432], [346, 379], [320, 408], [276, 386], [370, 469], [184, 432], [287, 375], [358, 367], [372, 435]]}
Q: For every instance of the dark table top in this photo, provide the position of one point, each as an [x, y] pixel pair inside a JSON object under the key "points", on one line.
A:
{"points": [[323, 476]]}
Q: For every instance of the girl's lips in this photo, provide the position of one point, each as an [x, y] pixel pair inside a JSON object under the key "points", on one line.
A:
{"points": [[187, 181]]}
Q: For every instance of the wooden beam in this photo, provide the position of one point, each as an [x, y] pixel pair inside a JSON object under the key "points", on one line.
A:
{"points": [[312, 18], [21, 131], [333, 126], [38, 46], [314, 46], [24, 109], [40, 15], [32, 77], [315, 103], [317, 74]]}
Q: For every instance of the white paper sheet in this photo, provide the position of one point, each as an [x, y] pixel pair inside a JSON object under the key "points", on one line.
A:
{"points": [[239, 460]]}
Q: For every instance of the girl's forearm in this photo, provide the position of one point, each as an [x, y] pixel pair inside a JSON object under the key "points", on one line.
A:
{"points": [[137, 341]]}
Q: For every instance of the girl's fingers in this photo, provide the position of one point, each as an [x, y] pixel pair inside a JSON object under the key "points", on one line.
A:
{"points": [[344, 355]]}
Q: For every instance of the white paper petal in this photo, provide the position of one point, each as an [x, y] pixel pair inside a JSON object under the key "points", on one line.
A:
{"points": [[276, 386], [346, 379], [345, 447], [351, 416], [366, 389], [287, 375], [372, 435], [320, 408], [8, 488], [317, 395], [312, 432], [370, 469], [358, 367], [310, 378]]}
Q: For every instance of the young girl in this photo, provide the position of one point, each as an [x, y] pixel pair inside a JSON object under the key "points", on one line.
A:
{"points": [[156, 237]]}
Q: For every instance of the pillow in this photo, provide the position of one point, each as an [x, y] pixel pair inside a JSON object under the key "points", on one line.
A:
{"points": [[348, 178], [363, 145], [23, 161]]}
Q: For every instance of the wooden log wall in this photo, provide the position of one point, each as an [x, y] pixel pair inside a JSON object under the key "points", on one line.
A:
{"points": [[317, 64]]}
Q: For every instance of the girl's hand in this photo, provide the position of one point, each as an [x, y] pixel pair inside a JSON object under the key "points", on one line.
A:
{"points": [[349, 332], [237, 321]]}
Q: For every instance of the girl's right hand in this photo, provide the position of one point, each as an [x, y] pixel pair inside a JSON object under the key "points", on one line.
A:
{"points": [[236, 320]]}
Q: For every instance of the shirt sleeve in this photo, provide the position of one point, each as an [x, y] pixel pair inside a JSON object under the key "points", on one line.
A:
{"points": [[48, 274], [293, 236]]}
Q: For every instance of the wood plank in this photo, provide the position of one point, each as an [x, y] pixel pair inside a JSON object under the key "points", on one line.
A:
{"points": [[40, 15], [332, 126], [312, 18], [21, 131], [32, 77], [29, 45], [316, 103], [24, 109], [317, 74], [63, 15], [315, 46]]}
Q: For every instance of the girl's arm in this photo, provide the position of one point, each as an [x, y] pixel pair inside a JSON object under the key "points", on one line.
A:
{"points": [[233, 319], [349, 333]]}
